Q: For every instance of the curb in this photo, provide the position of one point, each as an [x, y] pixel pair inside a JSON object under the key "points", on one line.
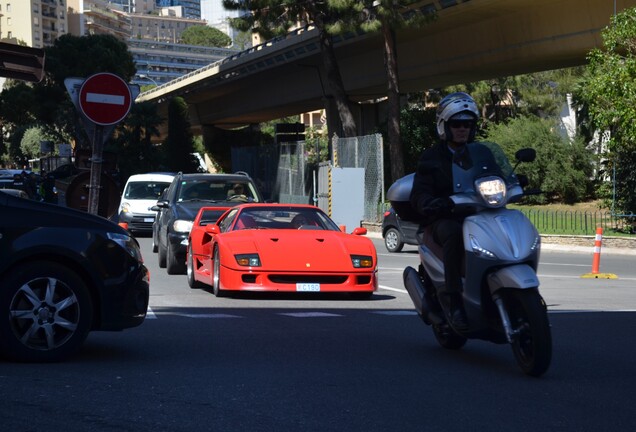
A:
{"points": [[549, 246]]}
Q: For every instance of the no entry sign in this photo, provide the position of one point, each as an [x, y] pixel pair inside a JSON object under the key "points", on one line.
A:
{"points": [[105, 99]]}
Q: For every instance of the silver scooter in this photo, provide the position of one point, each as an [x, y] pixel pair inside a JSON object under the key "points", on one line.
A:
{"points": [[501, 295]]}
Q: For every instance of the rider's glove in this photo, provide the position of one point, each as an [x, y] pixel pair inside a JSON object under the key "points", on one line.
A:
{"points": [[442, 204]]}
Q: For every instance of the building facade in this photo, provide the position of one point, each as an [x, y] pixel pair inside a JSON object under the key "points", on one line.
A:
{"points": [[191, 8], [36, 22]]}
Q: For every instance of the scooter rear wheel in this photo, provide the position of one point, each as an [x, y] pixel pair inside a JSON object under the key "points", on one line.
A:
{"points": [[532, 346], [447, 338]]}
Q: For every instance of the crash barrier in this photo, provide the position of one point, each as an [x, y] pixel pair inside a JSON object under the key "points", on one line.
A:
{"points": [[596, 260]]}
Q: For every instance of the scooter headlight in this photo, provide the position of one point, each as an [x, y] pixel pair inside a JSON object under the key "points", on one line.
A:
{"points": [[480, 251], [492, 189]]}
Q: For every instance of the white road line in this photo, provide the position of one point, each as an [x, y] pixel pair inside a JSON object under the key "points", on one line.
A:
{"points": [[150, 314], [392, 289], [207, 315], [105, 98], [310, 314]]}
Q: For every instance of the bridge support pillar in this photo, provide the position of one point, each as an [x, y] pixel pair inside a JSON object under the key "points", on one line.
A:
{"points": [[218, 146]]}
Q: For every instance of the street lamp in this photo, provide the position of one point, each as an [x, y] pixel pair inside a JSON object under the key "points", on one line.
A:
{"points": [[144, 76]]}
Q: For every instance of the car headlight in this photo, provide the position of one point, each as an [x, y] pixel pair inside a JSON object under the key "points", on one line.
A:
{"points": [[361, 261], [182, 226], [492, 190], [128, 243], [125, 207], [248, 260]]}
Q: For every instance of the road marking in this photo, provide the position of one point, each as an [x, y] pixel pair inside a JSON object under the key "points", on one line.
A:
{"points": [[212, 315], [396, 312], [403, 291], [150, 314], [310, 314]]}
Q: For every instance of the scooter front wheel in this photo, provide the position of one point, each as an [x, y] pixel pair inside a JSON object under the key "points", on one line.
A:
{"points": [[447, 337], [532, 344]]}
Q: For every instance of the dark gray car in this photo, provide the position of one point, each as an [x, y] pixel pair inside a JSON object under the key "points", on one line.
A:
{"points": [[180, 204], [397, 232]]}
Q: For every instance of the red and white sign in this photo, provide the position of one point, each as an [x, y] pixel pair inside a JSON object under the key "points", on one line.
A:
{"points": [[105, 99]]}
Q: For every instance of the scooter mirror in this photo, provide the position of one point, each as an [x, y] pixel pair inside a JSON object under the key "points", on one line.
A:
{"points": [[526, 154]]}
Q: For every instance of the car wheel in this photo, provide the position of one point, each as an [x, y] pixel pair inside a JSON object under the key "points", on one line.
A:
{"points": [[47, 312], [192, 282], [393, 240], [216, 277], [154, 245], [173, 265], [162, 253]]}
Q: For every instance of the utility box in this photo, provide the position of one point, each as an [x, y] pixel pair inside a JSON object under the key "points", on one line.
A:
{"points": [[347, 196]]}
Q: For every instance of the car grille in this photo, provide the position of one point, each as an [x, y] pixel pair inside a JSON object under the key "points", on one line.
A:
{"points": [[322, 279]]}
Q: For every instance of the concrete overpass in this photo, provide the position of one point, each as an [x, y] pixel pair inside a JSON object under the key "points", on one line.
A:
{"points": [[471, 40]]}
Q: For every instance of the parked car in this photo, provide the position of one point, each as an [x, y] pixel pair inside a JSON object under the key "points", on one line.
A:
{"points": [[280, 247], [64, 171], [184, 197], [141, 192], [64, 273], [16, 192], [397, 232]]}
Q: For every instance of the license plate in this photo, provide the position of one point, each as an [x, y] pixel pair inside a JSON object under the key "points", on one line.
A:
{"points": [[149, 219], [308, 287]]}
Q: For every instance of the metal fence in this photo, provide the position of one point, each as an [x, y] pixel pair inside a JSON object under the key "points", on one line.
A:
{"points": [[364, 152], [283, 174], [579, 222]]}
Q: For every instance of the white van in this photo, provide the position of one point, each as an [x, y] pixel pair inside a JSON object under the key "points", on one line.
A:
{"points": [[140, 193]]}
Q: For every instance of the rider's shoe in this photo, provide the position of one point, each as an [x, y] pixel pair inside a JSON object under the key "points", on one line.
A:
{"points": [[454, 310]]}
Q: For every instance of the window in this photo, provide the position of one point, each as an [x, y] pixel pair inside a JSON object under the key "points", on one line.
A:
{"points": [[8, 7]]}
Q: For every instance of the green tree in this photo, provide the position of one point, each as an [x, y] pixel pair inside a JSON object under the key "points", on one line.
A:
{"points": [[98, 53], [608, 91], [205, 36], [30, 142], [133, 142], [16, 102], [562, 170], [269, 18], [179, 144], [386, 17]]}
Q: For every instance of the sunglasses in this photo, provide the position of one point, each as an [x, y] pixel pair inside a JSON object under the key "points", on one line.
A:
{"points": [[461, 123]]}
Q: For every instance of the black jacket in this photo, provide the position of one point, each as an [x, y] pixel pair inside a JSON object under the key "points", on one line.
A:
{"points": [[433, 184]]}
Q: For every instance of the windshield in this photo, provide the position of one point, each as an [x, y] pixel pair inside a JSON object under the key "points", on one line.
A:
{"points": [[282, 217], [217, 190], [147, 190], [486, 158]]}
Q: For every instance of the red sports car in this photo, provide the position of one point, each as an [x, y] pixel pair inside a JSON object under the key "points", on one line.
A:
{"points": [[280, 247]]}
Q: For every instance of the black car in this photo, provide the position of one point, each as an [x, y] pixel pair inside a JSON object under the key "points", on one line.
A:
{"points": [[180, 204], [397, 232], [64, 273]]}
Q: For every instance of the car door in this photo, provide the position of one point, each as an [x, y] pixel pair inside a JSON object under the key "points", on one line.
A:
{"points": [[163, 216]]}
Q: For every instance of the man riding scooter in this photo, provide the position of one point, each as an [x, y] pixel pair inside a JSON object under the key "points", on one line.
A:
{"points": [[456, 121]]}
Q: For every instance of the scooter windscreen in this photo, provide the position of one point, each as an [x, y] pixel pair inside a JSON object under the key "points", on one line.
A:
{"points": [[483, 159]]}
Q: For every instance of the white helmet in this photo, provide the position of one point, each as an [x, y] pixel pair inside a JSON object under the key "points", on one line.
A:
{"points": [[459, 106]]}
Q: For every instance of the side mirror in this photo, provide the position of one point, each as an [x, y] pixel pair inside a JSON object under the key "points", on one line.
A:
{"points": [[212, 229], [526, 154], [359, 231]]}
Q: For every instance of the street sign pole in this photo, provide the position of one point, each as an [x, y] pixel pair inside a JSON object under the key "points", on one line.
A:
{"points": [[95, 185], [104, 100]]}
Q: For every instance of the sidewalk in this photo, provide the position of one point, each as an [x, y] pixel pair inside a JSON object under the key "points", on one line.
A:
{"points": [[547, 244]]}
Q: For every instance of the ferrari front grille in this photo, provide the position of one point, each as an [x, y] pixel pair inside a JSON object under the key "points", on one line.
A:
{"points": [[321, 279]]}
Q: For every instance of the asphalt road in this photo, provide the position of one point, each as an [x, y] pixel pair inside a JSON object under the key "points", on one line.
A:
{"points": [[310, 363]]}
